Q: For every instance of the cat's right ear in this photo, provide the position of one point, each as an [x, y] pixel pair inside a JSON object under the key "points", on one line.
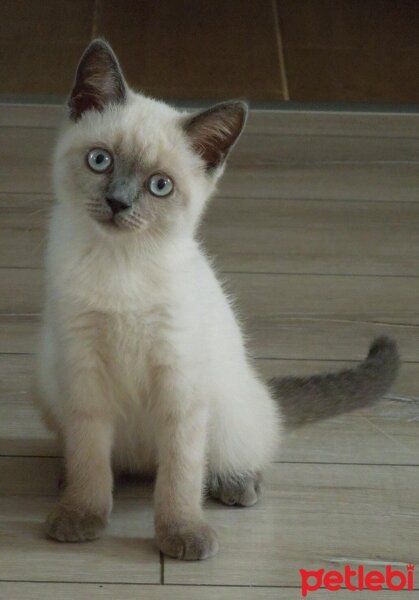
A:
{"points": [[99, 81]]}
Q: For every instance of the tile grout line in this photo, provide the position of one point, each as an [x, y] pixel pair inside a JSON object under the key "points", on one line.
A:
{"points": [[221, 197], [279, 273], [272, 463], [259, 358], [143, 584]]}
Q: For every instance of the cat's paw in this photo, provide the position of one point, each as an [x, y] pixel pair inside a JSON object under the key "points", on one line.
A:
{"points": [[187, 542], [237, 491], [66, 524]]}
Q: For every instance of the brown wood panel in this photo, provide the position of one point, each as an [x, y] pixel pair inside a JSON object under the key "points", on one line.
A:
{"points": [[190, 49], [357, 50], [41, 43]]}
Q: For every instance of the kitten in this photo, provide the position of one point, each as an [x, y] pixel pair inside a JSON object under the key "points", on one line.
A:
{"points": [[142, 365]]}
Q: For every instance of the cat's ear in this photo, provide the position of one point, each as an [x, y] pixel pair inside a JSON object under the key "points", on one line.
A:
{"points": [[99, 81], [213, 132]]}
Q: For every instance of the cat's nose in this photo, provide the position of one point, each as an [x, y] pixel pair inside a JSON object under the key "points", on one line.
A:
{"points": [[121, 193], [118, 204]]}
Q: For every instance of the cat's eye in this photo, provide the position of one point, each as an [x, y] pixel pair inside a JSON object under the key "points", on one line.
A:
{"points": [[160, 185], [99, 160]]}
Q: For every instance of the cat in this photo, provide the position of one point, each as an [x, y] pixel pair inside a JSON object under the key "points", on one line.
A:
{"points": [[142, 365]]}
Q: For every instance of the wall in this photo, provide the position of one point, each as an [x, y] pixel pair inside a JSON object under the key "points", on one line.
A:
{"points": [[264, 50]]}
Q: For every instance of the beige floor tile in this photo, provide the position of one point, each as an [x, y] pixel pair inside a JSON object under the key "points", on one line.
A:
{"points": [[21, 291], [125, 554], [21, 429], [387, 182], [52, 591], [287, 236], [312, 337], [25, 155], [358, 509], [35, 476], [313, 516], [322, 123], [23, 227], [19, 334], [272, 149], [29, 476]]}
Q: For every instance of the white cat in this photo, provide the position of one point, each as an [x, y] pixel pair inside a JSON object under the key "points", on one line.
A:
{"points": [[142, 365]]}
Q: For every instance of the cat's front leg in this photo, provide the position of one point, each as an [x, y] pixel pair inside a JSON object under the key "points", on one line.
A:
{"points": [[86, 502], [181, 531]]}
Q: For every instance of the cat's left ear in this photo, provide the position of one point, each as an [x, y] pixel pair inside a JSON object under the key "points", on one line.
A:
{"points": [[214, 132], [99, 81]]}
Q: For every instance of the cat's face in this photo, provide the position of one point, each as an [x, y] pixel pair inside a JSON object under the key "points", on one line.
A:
{"points": [[132, 164]]}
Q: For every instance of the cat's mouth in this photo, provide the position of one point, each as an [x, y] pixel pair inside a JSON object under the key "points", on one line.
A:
{"points": [[119, 222], [110, 222], [105, 220], [114, 224]]}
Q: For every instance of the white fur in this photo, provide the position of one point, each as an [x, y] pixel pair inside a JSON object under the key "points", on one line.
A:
{"points": [[137, 329]]}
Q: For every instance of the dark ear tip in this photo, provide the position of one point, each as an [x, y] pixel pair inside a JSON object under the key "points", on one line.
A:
{"points": [[98, 82], [242, 104], [100, 41], [99, 45], [240, 107]]}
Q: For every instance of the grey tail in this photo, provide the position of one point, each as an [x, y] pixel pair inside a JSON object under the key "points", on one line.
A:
{"points": [[317, 397]]}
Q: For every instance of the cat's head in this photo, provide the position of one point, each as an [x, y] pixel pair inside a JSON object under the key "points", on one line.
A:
{"points": [[132, 164]]}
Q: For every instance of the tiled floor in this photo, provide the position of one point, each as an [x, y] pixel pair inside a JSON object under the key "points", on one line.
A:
{"points": [[316, 228]]}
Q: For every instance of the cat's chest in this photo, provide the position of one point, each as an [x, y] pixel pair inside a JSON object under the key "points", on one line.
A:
{"points": [[135, 332], [129, 344]]}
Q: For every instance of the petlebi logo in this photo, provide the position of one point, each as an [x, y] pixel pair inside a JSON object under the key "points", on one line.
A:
{"points": [[359, 579]]}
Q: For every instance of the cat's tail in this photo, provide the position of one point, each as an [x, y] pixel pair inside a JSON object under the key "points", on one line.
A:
{"points": [[317, 397]]}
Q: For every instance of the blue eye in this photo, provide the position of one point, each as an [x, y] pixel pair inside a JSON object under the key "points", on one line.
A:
{"points": [[160, 185], [99, 160]]}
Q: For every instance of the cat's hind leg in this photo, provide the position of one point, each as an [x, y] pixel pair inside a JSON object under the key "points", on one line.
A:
{"points": [[245, 434], [239, 489]]}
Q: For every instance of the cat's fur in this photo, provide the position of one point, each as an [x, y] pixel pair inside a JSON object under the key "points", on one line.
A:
{"points": [[142, 365]]}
